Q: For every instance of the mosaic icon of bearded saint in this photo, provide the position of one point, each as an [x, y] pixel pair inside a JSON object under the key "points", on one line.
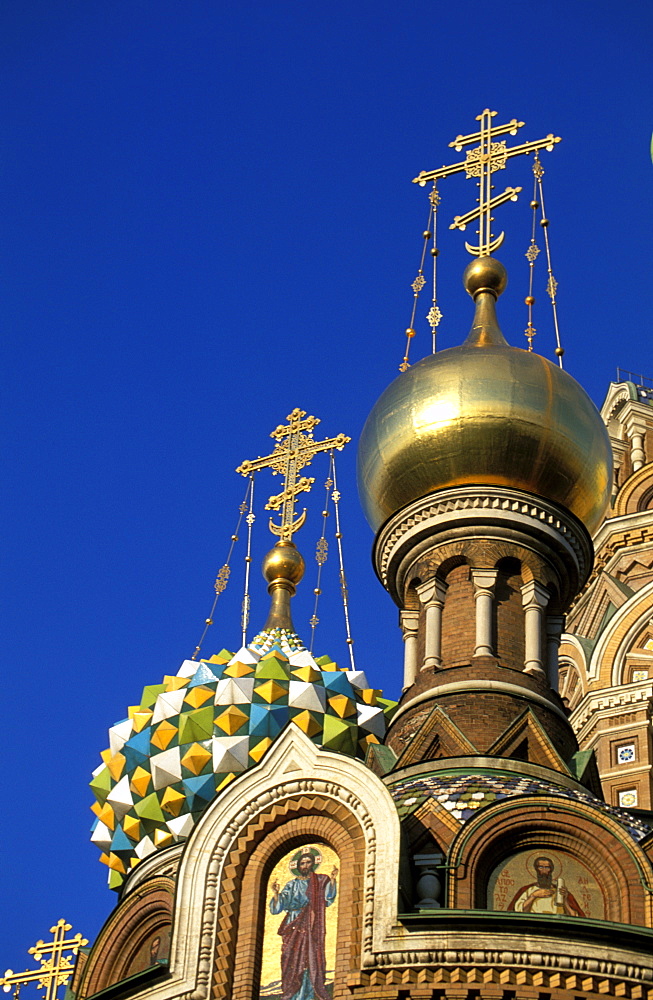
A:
{"points": [[545, 896], [304, 899]]}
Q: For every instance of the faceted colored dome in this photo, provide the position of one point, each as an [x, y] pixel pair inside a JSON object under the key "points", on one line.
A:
{"points": [[191, 735], [485, 414]]}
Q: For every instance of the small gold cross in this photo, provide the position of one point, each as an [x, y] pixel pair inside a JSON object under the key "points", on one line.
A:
{"points": [[56, 969], [293, 450]]}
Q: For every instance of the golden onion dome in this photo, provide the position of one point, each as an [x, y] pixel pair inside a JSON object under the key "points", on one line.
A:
{"points": [[488, 414]]}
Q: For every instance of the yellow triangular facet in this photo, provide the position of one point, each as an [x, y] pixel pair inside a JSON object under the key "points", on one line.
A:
{"points": [[141, 719], [257, 752], [225, 782], [308, 674], [342, 705], [116, 765], [172, 801], [162, 838], [197, 696], [107, 816], [196, 758], [231, 720], [239, 670], [140, 781], [307, 723], [132, 827], [174, 683], [164, 735], [270, 691]]}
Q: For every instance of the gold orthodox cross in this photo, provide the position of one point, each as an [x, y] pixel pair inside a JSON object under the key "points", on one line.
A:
{"points": [[56, 968], [293, 450], [481, 162]]}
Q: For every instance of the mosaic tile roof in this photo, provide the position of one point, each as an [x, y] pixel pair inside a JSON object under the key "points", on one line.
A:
{"points": [[464, 794], [193, 733]]}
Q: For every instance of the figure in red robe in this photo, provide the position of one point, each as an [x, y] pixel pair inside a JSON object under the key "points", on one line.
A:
{"points": [[305, 899]]}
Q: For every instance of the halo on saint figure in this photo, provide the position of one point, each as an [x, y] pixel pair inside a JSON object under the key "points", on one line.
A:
{"points": [[302, 852], [530, 864]]}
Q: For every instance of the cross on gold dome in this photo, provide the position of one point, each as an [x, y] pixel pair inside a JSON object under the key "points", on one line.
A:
{"points": [[56, 969], [293, 450], [481, 162]]}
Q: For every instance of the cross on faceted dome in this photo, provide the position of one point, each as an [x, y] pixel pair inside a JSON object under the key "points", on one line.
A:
{"points": [[294, 450], [481, 162]]}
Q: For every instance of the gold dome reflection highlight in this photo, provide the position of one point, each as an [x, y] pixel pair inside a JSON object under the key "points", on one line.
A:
{"points": [[485, 415]]}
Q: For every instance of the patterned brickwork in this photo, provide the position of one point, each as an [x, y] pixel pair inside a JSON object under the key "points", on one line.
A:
{"points": [[241, 899], [142, 914], [458, 628]]}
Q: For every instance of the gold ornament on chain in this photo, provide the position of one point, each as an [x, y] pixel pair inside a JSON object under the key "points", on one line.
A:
{"points": [[222, 579]]}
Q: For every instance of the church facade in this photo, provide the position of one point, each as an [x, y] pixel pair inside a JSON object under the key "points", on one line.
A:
{"points": [[276, 828]]}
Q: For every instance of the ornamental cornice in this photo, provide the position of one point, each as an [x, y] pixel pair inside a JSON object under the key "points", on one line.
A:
{"points": [[497, 509], [604, 702], [626, 975]]}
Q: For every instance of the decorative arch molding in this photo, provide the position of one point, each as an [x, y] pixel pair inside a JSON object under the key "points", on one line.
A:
{"points": [[571, 650], [608, 659], [634, 490], [295, 779], [574, 827], [618, 395], [135, 920]]}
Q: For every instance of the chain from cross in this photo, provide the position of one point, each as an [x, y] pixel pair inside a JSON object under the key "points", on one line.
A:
{"points": [[294, 449], [481, 162], [56, 967]]}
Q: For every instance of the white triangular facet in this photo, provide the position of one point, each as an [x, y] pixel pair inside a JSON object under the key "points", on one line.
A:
{"points": [[168, 704], [144, 848], [230, 753], [166, 768], [357, 679], [102, 837], [371, 719], [181, 826], [120, 797], [245, 655], [234, 691], [303, 694], [188, 668], [302, 658], [118, 735]]}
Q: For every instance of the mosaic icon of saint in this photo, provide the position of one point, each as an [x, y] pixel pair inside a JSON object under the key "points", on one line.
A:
{"points": [[545, 895], [304, 899]]}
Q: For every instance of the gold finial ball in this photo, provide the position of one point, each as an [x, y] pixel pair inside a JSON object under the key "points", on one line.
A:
{"points": [[284, 562], [485, 274]]}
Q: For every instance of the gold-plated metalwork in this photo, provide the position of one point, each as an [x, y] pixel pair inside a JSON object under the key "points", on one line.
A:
{"points": [[487, 414], [295, 448], [551, 284], [283, 568], [417, 285], [481, 162], [222, 579], [344, 590], [56, 966], [321, 556]]}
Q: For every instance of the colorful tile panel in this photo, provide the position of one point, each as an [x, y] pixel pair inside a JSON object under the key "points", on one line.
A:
{"points": [[191, 735]]}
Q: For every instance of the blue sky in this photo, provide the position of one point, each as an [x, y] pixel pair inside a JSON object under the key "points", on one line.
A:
{"points": [[207, 220]]}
